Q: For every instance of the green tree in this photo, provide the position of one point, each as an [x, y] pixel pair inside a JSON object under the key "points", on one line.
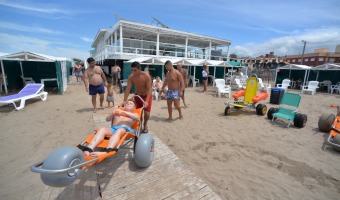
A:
{"points": [[77, 60], [233, 55]]}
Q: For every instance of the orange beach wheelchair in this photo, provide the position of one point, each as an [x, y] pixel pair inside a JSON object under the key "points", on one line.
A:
{"points": [[65, 164]]}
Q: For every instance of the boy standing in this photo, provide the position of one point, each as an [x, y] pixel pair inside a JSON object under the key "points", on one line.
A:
{"points": [[110, 96]]}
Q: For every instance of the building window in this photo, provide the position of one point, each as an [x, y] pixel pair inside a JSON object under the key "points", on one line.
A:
{"points": [[288, 60], [306, 59], [299, 60], [331, 60], [312, 59], [293, 60], [321, 59]]}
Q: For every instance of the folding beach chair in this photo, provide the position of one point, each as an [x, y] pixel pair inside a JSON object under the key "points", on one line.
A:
{"points": [[312, 86], [288, 110], [30, 91]]}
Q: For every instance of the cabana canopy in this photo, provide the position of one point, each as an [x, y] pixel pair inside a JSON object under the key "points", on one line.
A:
{"points": [[327, 66], [39, 67]]}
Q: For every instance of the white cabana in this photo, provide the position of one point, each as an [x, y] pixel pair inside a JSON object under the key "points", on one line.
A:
{"points": [[291, 67], [61, 76]]}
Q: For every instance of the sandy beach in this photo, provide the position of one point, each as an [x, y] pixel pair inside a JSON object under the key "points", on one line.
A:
{"points": [[241, 156]]}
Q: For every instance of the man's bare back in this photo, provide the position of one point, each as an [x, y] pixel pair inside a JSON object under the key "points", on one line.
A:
{"points": [[94, 75]]}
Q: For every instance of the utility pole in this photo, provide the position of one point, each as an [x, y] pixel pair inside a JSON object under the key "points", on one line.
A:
{"points": [[303, 51]]}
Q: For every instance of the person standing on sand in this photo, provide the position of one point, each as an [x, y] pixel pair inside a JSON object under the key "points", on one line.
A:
{"points": [[115, 71], [142, 82], [205, 73], [184, 73], [94, 80], [175, 83], [77, 71]]}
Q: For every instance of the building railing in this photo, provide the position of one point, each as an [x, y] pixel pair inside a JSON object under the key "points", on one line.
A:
{"points": [[111, 50]]}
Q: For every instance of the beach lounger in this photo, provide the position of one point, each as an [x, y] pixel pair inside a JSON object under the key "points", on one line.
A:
{"points": [[30, 91], [288, 110]]}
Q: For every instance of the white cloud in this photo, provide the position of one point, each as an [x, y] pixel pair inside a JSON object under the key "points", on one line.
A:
{"points": [[16, 43], [290, 45], [31, 29], [86, 39], [34, 7]]}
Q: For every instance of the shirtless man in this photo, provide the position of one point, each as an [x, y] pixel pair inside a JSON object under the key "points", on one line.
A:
{"points": [[142, 82], [115, 71], [94, 79], [175, 83], [122, 122], [184, 73]]}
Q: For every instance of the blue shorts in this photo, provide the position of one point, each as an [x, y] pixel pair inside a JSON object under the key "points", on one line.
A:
{"points": [[96, 89], [172, 94], [128, 129]]}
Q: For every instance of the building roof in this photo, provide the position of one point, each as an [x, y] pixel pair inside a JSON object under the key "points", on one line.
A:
{"points": [[29, 56], [140, 28], [327, 66]]}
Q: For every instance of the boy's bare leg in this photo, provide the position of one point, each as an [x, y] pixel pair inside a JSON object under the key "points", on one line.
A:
{"points": [[113, 142], [99, 137], [169, 102]]}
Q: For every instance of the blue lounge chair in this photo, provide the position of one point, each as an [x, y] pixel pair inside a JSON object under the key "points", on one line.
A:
{"points": [[30, 91]]}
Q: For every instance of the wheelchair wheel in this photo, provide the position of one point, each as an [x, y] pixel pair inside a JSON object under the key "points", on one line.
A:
{"points": [[270, 112], [336, 140], [300, 120], [261, 109], [227, 111], [325, 122], [61, 158], [144, 151]]}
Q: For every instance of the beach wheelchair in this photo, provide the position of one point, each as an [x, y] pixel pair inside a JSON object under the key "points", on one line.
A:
{"points": [[331, 123], [251, 98], [288, 110], [65, 164]]}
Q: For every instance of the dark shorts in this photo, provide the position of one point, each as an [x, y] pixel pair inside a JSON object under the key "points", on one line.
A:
{"points": [[96, 89], [139, 103], [204, 78], [173, 95]]}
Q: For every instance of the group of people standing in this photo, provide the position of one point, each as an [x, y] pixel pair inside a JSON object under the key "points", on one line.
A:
{"points": [[95, 80]]}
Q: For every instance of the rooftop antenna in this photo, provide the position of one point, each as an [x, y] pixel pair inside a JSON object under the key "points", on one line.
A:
{"points": [[118, 17], [159, 23]]}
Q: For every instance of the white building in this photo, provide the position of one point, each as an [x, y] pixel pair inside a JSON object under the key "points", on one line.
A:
{"points": [[128, 41]]}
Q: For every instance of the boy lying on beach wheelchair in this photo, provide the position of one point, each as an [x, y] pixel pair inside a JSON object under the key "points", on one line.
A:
{"points": [[250, 98], [331, 123], [65, 164]]}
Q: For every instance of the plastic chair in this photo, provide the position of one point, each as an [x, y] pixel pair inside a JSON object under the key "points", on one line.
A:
{"points": [[28, 92], [222, 88], [311, 87], [239, 84], [27, 80], [285, 83], [264, 86], [335, 87]]}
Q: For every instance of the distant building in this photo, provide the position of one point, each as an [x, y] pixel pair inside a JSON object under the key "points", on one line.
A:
{"points": [[318, 57]]}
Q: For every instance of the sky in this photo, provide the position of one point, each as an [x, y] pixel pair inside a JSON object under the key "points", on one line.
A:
{"points": [[66, 28]]}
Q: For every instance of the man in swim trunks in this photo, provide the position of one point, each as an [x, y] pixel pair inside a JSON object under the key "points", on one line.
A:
{"points": [[143, 86], [175, 83], [122, 122], [184, 73], [94, 79]]}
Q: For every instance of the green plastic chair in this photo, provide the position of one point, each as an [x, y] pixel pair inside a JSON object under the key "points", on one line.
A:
{"points": [[288, 107]]}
